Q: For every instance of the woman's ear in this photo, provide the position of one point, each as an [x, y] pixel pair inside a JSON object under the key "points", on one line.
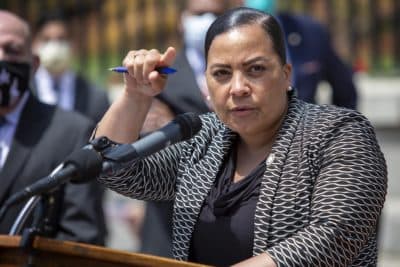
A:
{"points": [[287, 72]]}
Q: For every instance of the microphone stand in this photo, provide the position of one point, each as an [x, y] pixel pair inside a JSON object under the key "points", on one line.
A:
{"points": [[23, 215], [80, 165], [43, 223]]}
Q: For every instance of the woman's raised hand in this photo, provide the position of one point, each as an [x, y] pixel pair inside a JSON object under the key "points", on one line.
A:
{"points": [[142, 78]]}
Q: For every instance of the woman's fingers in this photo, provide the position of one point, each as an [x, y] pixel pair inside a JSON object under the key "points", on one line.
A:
{"points": [[141, 65], [158, 80], [152, 60], [168, 57]]}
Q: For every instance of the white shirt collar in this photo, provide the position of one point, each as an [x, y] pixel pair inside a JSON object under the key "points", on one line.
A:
{"points": [[7, 131], [65, 98]]}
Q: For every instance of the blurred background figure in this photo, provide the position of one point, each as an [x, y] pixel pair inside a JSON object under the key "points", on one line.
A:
{"points": [[312, 56], [35, 138], [56, 82], [187, 90]]}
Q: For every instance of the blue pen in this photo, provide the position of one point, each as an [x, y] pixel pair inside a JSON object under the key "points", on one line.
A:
{"points": [[161, 70]]}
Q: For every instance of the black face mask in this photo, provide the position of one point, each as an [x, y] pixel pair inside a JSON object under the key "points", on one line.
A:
{"points": [[14, 81]]}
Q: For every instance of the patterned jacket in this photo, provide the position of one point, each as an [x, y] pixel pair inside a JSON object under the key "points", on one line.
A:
{"points": [[321, 194]]}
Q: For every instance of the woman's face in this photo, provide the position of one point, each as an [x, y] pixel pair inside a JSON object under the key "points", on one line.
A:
{"points": [[246, 80]]}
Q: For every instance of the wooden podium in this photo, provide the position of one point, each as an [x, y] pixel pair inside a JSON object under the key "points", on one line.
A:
{"points": [[55, 253]]}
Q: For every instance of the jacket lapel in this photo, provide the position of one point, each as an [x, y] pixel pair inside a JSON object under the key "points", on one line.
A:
{"points": [[194, 186], [13, 166], [275, 163], [20, 150], [81, 95]]}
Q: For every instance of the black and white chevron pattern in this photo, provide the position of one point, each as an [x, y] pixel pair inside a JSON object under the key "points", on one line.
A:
{"points": [[321, 195]]}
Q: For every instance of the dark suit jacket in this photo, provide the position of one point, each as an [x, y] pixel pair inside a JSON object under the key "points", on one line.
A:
{"points": [[90, 100], [44, 137], [314, 60], [182, 94]]}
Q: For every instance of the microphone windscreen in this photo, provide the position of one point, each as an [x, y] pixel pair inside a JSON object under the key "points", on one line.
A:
{"points": [[88, 164], [189, 123]]}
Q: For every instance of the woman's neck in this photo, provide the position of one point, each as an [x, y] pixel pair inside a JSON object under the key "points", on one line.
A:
{"points": [[262, 139], [251, 150], [248, 157], [255, 143]]}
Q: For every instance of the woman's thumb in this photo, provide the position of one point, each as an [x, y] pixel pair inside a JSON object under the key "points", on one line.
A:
{"points": [[169, 56]]}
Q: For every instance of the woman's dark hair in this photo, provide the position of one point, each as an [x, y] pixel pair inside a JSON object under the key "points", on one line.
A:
{"points": [[240, 16]]}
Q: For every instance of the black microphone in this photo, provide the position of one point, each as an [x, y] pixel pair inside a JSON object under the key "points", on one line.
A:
{"points": [[87, 163], [80, 164], [183, 127]]}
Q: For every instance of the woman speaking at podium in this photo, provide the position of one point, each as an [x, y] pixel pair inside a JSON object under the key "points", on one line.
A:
{"points": [[269, 180]]}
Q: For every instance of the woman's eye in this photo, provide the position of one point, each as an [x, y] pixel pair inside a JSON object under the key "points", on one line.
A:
{"points": [[220, 73], [257, 68]]}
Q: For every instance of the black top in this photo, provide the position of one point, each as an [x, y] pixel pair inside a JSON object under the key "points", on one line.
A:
{"points": [[223, 234]]}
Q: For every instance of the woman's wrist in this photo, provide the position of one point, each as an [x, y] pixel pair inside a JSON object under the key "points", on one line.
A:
{"points": [[136, 96], [127, 114], [136, 103]]}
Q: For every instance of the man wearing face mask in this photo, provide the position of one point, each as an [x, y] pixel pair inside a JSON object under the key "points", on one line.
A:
{"points": [[36, 137], [186, 91], [56, 82]]}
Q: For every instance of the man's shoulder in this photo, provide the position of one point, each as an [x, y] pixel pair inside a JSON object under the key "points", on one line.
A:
{"points": [[70, 116], [71, 125], [300, 22], [34, 107], [50, 124], [82, 83]]}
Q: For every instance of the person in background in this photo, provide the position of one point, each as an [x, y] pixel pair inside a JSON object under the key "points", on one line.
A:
{"points": [[56, 82], [186, 91], [312, 56], [269, 180], [36, 137]]}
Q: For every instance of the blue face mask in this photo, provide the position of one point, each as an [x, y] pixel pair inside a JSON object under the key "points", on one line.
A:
{"points": [[268, 6], [195, 29]]}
